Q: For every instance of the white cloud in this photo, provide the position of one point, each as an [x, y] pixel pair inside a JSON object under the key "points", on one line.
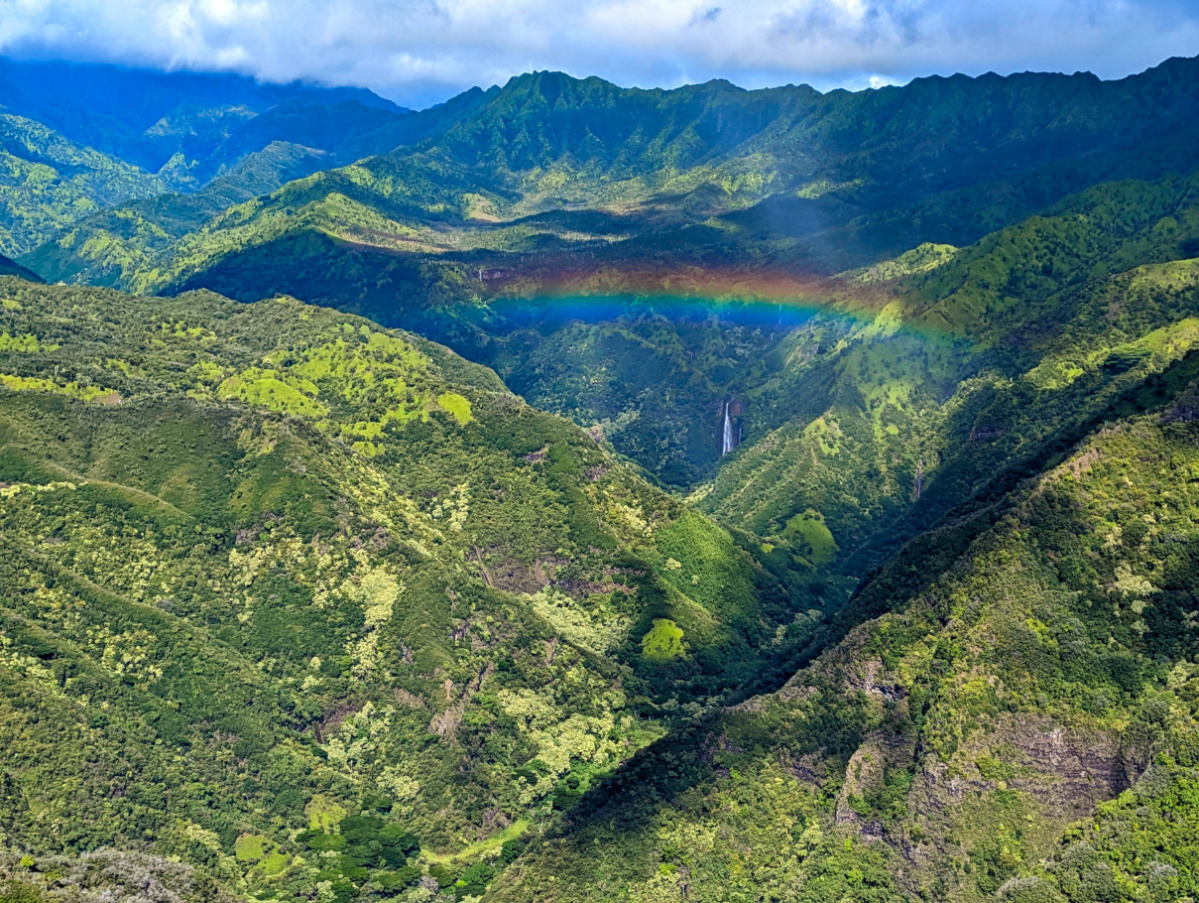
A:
{"points": [[423, 50]]}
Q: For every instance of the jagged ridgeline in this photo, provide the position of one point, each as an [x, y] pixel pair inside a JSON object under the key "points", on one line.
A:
{"points": [[325, 611], [322, 608]]}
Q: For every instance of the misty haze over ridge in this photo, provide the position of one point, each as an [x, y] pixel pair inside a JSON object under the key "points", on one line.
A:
{"points": [[419, 53]]}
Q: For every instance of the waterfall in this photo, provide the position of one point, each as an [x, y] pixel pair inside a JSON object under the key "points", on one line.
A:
{"points": [[728, 443]]}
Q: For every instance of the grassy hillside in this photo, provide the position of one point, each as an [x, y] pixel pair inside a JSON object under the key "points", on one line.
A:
{"points": [[79, 140], [301, 605], [833, 180], [309, 603]]}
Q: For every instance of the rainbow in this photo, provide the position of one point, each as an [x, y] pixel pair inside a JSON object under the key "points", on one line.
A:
{"points": [[742, 297]]}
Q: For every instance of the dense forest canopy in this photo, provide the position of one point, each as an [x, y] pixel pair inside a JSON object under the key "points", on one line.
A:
{"points": [[571, 492]]}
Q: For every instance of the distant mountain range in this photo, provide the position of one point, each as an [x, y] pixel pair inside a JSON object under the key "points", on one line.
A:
{"points": [[102, 135], [573, 492], [549, 179]]}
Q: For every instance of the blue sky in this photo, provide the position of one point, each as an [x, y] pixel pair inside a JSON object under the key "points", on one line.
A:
{"points": [[421, 51]]}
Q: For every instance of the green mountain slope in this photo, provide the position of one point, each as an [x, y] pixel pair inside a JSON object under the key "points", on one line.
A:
{"points": [[48, 182], [833, 180], [270, 569], [1019, 725], [324, 610], [911, 380], [102, 247], [165, 120], [108, 247], [12, 268], [553, 185], [962, 368], [80, 139]]}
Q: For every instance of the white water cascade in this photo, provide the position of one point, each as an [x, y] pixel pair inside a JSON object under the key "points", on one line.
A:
{"points": [[728, 443]]}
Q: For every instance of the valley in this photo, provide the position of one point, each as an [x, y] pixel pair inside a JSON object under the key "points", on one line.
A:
{"points": [[576, 492]]}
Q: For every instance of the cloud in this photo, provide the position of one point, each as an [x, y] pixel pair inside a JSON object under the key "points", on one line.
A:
{"points": [[420, 51]]}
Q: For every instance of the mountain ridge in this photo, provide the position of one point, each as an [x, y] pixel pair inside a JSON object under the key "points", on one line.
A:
{"points": [[394, 550]]}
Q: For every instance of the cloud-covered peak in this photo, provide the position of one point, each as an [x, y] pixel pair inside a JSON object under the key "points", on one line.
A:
{"points": [[420, 51]]}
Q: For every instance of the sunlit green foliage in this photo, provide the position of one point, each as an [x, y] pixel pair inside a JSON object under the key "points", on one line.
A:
{"points": [[902, 413], [326, 612], [263, 599], [663, 642], [428, 237], [811, 538], [973, 743], [511, 188], [48, 182]]}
